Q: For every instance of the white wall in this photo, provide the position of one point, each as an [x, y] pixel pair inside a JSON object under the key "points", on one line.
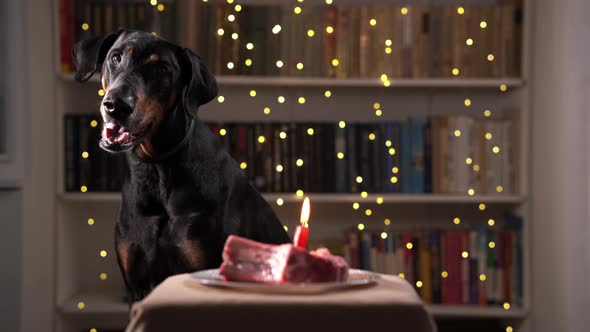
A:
{"points": [[561, 232]]}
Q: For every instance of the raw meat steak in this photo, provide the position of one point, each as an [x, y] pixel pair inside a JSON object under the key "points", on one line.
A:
{"points": [[247, 260]]}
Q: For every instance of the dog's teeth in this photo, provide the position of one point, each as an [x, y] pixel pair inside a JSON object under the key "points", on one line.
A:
{"points": [[111, 125], [123, 137], [121, 130]]}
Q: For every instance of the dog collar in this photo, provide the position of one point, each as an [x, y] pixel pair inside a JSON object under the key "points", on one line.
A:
{"points": [[175, 149]]}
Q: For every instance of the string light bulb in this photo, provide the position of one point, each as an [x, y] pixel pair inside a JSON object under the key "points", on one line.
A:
{"points": [[249, 46], [404, 11], [283, 135], [280, 201], [456, 221], [483, 24], [299, 66], [220, 32], [373, 22], [310, 33], [301, 100], [85, 26], [335, 62], [329, 29], [266, 110], [469, 42], [279, 64], [327, 93], [490, 57], [460, 10], [220, 99], [341, 124], [276, 29], [281, 99], [383, 235], [455, 71], [387, 222], [360, 227], [248, 62], [297, 10], [467, 102]]}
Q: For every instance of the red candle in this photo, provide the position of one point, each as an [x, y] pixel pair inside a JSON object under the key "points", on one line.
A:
{"points": [[302, 231]]}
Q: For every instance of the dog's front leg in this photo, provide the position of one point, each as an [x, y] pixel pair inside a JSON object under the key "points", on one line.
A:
{"points": [[136, 246]]}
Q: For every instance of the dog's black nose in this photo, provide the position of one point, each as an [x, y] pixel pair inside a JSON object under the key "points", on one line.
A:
{"points": [[118, 104]]}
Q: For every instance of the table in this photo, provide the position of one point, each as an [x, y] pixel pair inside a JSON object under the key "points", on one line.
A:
{"points": [[182, 304]]}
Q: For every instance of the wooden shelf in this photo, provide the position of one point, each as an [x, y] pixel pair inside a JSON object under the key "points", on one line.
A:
{"points": [[249, 81], [97, 305], [337, 198]]}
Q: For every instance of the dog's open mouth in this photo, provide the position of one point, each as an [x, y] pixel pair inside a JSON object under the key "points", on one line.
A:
{"points": [[116, 137]]}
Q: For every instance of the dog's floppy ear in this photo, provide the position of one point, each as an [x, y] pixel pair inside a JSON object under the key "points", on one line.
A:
{"points": [[200, 85], [88, 54]]}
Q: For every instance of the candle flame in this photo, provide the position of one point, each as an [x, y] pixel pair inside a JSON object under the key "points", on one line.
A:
{"points": [[305, 212]]}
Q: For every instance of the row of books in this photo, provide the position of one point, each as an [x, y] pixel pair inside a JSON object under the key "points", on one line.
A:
{"points": [[417, 155], [367, 40], [470, 266]]}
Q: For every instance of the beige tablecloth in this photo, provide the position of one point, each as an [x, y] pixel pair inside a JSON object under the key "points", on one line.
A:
{"points": [[182, 304]]}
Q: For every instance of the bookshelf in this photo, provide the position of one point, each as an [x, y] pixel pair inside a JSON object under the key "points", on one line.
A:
{"points": [[78, 243]]}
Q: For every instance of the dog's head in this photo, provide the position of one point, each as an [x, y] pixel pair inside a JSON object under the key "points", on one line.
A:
{"points": [[144, 78]]}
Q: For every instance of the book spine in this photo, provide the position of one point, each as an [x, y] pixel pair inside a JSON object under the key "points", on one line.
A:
{"points": [[70, 149], [406, 158]]}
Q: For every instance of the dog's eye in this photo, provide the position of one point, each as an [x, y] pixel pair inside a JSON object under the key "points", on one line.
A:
{"points": [[116, 58]]}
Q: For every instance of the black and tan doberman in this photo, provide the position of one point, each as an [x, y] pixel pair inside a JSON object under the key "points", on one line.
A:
{"points": [[184, 194]]}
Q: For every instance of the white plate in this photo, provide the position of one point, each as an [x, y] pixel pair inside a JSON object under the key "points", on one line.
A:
{"points": [[355, 278]]}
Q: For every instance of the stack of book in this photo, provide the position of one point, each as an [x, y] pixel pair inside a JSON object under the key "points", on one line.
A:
{"points": [[463, 266], [414, 41], [417, 155]]}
